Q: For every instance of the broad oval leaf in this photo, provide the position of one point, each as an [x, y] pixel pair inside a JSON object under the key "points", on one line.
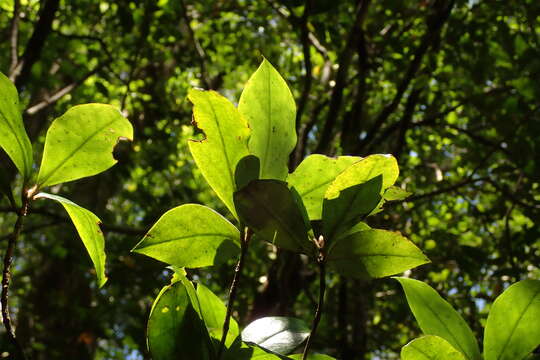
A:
{"points": [[13, 137], [243, 351], [349, 207], [268, 106], [190, 236], [87, 225], [373, 254], [226, 134], [437, 317], [276, 333], [80, 143], [175, 330], [364, 170], [513, 325], [213, 312], [269, 208], [430, 347], [313, 176]]}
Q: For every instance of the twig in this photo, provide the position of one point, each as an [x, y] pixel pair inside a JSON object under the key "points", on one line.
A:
{"points": [[306, 49], [318, 312], [6, 277], [245, 237], [14, 35]]}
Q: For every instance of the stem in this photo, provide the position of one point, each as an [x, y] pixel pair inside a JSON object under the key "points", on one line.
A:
{"points": [[318, 312], [6, 276], [245, 236]]}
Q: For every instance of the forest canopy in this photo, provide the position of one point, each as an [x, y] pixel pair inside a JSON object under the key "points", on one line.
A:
{"points": [[447, 87]]}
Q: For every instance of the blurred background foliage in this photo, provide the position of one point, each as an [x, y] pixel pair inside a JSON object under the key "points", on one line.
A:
{"points": [[450, 87]]}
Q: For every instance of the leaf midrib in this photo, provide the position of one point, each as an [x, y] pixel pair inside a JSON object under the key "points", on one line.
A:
{"points": [[227, 236]]}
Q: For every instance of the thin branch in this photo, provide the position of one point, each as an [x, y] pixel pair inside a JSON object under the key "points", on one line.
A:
{"points": [[6, 277], [320, 305], [14, 35], [245, 237], [50, 100], [446, 189]]}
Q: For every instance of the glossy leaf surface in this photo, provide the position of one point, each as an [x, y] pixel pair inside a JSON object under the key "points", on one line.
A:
{"points": [[175, 330], [437, 317], [513, 325], [190, 236], [269, 208], [373, 254], [225, 140], [87, 225], [430, 347], [276, 333], [313, 176], [311, 357], [268, 106], [80, 143], [13, 137]]}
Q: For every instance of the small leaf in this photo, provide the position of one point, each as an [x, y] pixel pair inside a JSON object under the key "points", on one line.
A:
{"points": [[311, 356], [268, 106], [80, 143], [225, 144], [374, 253], [430, 347], [312, 177], [394, 193], [13, 137], [349, 206], [269, 208], [437, 317], [513, 325], [87, 225], [175, 330], [276, 333], [213, 313], [190, 236], [364, 170]]}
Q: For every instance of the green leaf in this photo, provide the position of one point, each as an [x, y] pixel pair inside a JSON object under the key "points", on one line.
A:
{"points": [[349, 207], [87, 225], [225, 144], [248, 169], [80, 143], [437, 317], [175, 330], [276, 333], [269, 208], [513, 325], [13, 137], [268, 106], [243, 351], [394, 193], [430, 347], [364, 170], [312, 177], [374, 253], [190, 236], [213, 313]]}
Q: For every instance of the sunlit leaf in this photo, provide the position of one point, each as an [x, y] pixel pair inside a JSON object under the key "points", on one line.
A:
{"points": [[190, 236], [87, 225], [276, 333], [268, 106], [394, 193], [247, 169], [80, 143], [13, 137], [373, 254], [430, 347], [175, 330], [513, 325], [313, 176], [311, 356], [224, 144], [437, 317]]}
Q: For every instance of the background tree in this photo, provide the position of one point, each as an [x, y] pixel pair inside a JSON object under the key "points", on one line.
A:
{"points": [[447, 86]]}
